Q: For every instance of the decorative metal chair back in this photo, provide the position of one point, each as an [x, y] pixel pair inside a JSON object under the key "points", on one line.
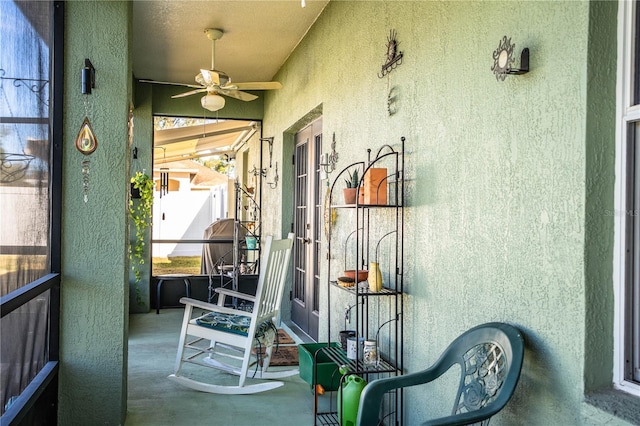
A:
{"points": [[484, 370], [490, 357]]}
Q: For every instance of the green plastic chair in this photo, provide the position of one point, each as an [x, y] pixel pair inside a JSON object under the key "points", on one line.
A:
{"points": [[490, 357]]}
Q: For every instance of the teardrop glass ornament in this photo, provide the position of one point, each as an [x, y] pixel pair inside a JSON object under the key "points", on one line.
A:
{"points": [[86, 141]]}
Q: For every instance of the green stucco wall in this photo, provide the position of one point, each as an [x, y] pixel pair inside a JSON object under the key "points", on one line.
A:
{"points": [[507, 182], [600, 172], [95, 290]]}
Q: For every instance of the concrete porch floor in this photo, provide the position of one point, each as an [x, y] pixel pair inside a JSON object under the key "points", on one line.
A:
{"points": [[155, 400]]}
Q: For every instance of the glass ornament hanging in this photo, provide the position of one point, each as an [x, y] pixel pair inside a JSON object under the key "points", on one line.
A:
{"points": [[86, 143]]}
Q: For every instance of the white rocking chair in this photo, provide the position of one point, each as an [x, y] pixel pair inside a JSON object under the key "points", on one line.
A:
{"points": [[231, 333]]}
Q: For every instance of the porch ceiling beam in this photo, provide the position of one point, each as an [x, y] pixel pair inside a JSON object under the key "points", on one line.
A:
{"points": [[165, 137]]}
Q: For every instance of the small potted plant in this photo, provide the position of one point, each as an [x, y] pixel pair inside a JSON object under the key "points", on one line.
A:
{"points": [[351, 191]]}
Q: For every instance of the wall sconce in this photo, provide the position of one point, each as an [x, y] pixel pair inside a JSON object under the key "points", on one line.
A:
{"points": [[328, 160], [274, 184], [503, 60], [88, 77]]}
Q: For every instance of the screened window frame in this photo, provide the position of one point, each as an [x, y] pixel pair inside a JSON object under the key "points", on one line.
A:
{"points": [[626, 220], [46, 379]]}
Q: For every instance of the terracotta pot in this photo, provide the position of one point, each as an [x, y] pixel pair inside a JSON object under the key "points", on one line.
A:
{"points": [[349, 195], [362, 275]]}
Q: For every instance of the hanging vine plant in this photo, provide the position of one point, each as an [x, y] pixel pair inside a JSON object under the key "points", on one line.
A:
{"points": [[140, 214]]}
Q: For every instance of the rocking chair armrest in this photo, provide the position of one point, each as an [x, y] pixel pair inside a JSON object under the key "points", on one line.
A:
{"points": [[198, 303], [211, 307], [227, 292]]}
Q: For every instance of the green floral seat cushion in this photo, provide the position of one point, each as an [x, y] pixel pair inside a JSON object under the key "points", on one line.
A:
{"points": [[231, 323], [238, 324]]}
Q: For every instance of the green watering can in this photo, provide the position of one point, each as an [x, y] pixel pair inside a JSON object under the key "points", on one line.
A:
{"points": [[349, 394]]}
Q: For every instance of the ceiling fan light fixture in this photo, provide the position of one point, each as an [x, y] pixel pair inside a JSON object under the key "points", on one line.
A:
{"points": [[212, 102]]}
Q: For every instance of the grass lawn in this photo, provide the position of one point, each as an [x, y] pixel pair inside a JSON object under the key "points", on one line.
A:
{"points": [[176, 265]]}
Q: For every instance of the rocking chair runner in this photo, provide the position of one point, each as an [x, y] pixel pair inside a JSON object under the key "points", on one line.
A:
{"points": [[490, 358], [231, 334]]}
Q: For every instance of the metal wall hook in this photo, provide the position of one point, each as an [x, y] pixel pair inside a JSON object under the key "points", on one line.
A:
{"points": [[88, 77], [270, 141], [274, 184]]}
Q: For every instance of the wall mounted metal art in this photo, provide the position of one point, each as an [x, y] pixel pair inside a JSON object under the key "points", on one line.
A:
{"points": [[503, 60], [394, 56], [328, 160]]}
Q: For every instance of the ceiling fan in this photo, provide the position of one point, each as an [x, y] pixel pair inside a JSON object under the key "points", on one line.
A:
{"points": [[216, 83]]}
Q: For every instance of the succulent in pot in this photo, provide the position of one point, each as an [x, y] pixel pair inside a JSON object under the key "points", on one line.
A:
{"points": [[351, 191]]}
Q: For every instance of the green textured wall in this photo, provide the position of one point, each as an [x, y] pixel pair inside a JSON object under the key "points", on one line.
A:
{"points": [[600, 161], [95, 290], [504, 179]]}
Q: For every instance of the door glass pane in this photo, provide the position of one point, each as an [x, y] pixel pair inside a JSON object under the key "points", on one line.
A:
{"points": [[632, 218], [636, 53], [317, 222], [300, 221]]}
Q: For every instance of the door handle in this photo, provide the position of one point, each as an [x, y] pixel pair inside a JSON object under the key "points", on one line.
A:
{"points": [[306, 240]]}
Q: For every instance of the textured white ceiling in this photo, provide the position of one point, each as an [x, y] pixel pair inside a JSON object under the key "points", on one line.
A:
{"points": [[169, 43]]}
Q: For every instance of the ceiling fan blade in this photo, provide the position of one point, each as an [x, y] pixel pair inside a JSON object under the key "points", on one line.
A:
{"points": [[191, 92], [265, 85], [171, 83], [243, 96]]}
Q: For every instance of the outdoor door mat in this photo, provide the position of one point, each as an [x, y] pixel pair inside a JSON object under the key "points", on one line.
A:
{"points": [[284, 356], [284, 338], [285, 353]]}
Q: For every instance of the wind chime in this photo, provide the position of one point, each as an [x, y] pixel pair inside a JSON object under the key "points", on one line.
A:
{"points": [[164, 174], [86, 141], [164, 181]]}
